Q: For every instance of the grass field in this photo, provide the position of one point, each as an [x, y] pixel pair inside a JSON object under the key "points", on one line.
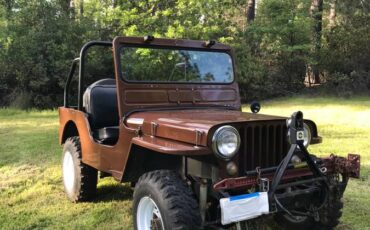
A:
{"points": [[31, 191]]}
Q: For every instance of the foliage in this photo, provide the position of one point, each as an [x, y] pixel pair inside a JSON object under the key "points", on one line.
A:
{"points": [[345, 85], [40, 38], [346, 56], [276, 50], [42, 41]]}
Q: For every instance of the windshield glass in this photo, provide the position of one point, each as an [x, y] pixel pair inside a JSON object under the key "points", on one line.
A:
{"points": [[176, 66]]}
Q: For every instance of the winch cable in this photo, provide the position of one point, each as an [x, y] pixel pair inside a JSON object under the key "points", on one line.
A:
{"points": [[281, 169], [311, 163], [280, 172], [295, 127]]}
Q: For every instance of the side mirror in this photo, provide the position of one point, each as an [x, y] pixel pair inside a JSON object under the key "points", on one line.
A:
{"points": [[255, 107]]}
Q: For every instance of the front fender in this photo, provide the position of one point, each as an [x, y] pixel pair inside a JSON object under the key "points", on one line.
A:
{"points": [[316, 139], [167, 146]]}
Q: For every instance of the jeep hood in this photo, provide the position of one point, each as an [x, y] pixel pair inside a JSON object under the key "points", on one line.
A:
{"points": [[190, 126]]}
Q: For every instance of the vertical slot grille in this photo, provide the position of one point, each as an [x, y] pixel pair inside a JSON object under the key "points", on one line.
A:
{"points": [[263, 145]]}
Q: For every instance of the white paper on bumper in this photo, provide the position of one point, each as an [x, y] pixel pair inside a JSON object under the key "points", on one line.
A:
{"points": [[243, 207]]}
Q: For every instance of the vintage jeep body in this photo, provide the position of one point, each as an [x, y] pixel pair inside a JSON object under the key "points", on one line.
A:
{"points": [[170, 122]]}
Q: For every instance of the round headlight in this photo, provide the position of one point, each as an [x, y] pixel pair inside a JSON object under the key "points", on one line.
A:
{"points": [[306, 135], [226, 142]]}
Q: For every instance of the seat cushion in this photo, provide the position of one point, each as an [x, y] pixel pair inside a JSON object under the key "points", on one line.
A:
{"points": [[107, 135], [100, 103]]}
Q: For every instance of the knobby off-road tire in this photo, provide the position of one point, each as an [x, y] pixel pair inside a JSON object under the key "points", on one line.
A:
{"points": [[178, 209], [329, 216], [79, 179]]}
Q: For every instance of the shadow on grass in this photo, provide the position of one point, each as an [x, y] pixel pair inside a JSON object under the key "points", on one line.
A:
{"points": [[113, 192]]}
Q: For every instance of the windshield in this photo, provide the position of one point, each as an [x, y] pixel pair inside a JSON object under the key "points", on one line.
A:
{"points": [[176, 66]]}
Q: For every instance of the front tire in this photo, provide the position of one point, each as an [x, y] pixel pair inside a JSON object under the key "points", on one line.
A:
{"points": [[162, 200], [79, 179]]}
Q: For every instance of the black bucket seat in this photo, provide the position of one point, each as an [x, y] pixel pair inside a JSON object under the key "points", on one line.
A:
{"points": [[100, 103]]}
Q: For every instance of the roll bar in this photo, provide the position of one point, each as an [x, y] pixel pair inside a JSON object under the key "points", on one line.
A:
{"points": [[81, 61]]}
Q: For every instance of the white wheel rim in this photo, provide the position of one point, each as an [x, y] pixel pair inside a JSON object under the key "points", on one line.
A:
{"points": [[68, 172], [147, 214]]}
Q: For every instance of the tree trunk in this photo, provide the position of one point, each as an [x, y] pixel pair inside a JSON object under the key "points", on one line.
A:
{"points": [[333, 14], [68, 7], [251, 6], [316, 14], [71, 9], [81, 8]]}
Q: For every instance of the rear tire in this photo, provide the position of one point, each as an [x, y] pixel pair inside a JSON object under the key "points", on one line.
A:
{"points": [[79, 179], [162, 199]]}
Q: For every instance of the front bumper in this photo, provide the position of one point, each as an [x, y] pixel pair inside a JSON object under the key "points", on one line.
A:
{"points": [[308, 188], [347, 167]]}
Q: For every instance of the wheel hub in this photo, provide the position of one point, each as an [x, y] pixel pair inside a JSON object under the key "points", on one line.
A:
{"points": [[68, 172], [148, 215]]}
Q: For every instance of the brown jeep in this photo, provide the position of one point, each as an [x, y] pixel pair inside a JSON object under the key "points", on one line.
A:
{"points": [[170, 122]]}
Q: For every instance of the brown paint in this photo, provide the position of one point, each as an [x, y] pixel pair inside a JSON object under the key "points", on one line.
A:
{"points": [[180, 125], [176, 130]]}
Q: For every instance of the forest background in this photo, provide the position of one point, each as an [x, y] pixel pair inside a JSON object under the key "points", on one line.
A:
{"points": [[282, 47]]}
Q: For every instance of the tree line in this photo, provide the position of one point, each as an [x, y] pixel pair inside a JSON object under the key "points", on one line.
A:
{"points": [[281, 46]]}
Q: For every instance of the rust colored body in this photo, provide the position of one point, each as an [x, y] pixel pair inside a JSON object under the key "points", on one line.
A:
{"points": [[172, 107], [174, 126]]}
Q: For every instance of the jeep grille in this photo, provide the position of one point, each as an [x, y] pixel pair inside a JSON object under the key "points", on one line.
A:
{"points": [[263, 144]]}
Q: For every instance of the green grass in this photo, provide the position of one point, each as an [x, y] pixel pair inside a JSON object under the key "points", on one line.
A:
{"points": [[31, 191]]}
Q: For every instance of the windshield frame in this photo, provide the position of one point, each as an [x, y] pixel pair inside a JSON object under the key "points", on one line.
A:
{"points": [[124, 45]]}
